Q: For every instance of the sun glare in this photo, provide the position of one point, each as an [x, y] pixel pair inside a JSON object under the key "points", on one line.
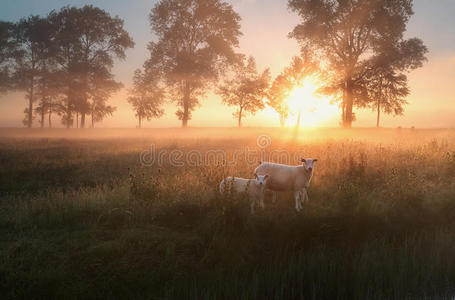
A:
{"points": [[315, 110]]}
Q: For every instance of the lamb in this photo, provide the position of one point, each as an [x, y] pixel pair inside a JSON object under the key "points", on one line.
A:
{"points": [[254, 187], [289, 178]]}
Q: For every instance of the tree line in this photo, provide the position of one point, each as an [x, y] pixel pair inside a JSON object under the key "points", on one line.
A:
{"points": [[64, 61]]}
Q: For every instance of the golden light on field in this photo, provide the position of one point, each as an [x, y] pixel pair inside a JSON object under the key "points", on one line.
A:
{"points": [[314, 109]]}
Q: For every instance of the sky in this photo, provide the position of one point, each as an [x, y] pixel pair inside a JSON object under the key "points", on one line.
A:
{"points": [[265, 25]]}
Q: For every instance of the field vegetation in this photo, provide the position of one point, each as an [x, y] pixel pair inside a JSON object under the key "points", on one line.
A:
{"points": [[80, 215]]}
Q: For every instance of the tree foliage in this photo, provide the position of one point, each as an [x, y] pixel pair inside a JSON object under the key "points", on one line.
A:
{"points": [[292, 76], [7, 54], [146, 97], [277, 95], [358, 38], [34, 38], [64, 62], [88, 40], [246, 90], [195, 43]]}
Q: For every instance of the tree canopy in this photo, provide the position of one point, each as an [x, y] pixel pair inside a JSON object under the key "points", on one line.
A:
{"points": [[357, 38], [33, 37], [88, 40], [292, 76], [7, 53], [246, 90], [195, 44], [146, 97]]}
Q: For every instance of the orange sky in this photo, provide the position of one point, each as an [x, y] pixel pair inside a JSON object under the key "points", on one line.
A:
{"points": [[265, 26]]}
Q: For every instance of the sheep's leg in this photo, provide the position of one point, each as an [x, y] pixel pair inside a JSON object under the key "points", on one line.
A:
{"points": [[261, 199], [297, 200], [304, 196], [273, 197], [306, 199], [252, 202]]}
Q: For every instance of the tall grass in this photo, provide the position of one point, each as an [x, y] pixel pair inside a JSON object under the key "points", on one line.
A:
{"points": [[84, 219]]}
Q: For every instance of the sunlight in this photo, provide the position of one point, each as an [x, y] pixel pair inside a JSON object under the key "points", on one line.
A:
{"points": [[315, 110]]}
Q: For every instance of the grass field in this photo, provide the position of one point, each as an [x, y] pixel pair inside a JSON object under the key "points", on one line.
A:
{"points": [[82, 216]]}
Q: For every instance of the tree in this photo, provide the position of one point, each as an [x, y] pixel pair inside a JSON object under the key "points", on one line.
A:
{"points": [[88, 40], [103, 85], [102, 38], [291, 77], [388, 91], [196, 40], [246, 90], [67, 59], [354, 36], [99, 110], [146, 97], [7, 53], [34, 38], [277, 97]]}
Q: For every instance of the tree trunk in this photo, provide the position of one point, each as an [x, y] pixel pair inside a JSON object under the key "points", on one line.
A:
{"points": [[42, 117], [50, 115], [93, 121], [186, 105], [185, 118], [30, 104], [379, 114], [83, 119], [140, 122], [77, 119], [240, 116], [84, 99], [343, 109], [68, 115], [349, 98]]}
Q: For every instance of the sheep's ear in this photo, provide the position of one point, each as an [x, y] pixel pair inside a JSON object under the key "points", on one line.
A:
{"points": [[266, 176], [303, 160], [315, 160]]}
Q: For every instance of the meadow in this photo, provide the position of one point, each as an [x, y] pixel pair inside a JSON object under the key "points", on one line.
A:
{"points": [[88, 214]]}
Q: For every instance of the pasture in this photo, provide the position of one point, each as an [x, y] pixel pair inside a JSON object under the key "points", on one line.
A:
{"points": [[88, 213]]}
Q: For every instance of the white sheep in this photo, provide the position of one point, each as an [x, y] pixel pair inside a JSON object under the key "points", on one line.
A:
{"points": [[253, 187], [289, 178]]}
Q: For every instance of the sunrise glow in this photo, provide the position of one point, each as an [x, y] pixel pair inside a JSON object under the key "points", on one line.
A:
{"points": [[315, 109]]}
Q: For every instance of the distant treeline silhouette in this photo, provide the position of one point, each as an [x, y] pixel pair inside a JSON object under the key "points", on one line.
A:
{"points": [[64, 61]]}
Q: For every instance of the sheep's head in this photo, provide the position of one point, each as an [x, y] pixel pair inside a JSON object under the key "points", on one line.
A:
{"points": [[308, 163], [261, 180]]}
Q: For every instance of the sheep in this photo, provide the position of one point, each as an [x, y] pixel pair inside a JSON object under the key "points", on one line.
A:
{"points": [[289, 178], [254, 187]]}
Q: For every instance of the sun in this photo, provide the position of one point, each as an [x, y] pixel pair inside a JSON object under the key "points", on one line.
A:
{"points": [[315, 110]]}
